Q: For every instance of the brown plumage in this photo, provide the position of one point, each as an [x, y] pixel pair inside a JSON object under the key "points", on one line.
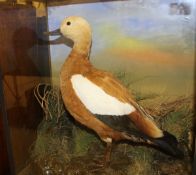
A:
{"points": [[78, 30]]}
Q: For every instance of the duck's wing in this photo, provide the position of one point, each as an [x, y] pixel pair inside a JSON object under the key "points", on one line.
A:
{"points": [[105, 97]]}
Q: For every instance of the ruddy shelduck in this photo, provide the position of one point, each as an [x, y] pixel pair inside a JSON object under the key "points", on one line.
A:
{"points": [[97, 100]]}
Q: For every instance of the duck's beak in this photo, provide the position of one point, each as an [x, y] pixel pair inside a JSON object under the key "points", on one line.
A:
{"points": [[56, 32], [60, 40]]}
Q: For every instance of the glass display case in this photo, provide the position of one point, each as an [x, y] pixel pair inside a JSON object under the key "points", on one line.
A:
{"points": [[149, 46]]}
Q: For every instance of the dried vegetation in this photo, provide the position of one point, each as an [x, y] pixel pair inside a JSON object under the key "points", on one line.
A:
{"points": [[64, 148]]}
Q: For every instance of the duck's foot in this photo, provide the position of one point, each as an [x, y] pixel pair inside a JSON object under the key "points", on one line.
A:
{"points": [[99, 165], [103, 162]]}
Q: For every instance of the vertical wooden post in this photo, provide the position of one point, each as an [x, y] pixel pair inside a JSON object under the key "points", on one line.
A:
{"points": [[6, 155]]}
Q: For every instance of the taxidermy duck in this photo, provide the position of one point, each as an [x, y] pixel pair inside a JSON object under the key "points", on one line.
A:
{"points": [[97, 100]]}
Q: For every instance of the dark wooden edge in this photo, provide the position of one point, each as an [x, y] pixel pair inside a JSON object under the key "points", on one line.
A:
{"points": [[194, 132], [55, 2], [6, 130], [194, 161], [194, 144], [13, 5], [60, 2]]}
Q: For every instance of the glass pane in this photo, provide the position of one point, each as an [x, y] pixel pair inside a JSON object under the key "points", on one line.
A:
{"points": [[24, 63]]}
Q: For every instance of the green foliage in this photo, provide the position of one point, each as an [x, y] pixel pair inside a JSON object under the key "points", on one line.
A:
{"points": [[82, 141]]}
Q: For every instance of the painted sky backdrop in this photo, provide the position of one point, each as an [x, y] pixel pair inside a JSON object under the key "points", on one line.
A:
{"points": [[135, 36], [133, 19]]}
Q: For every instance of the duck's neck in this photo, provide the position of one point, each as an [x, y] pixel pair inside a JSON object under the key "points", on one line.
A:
{"points": [[81, 48], [78, 59]]}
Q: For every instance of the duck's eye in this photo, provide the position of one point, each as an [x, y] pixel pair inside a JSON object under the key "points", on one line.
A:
{"points": [[68, 23]]}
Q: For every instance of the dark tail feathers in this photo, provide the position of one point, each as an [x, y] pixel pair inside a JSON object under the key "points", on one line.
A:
{"points": [[169, 144]]}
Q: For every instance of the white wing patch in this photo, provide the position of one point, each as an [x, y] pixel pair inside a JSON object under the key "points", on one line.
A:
{"points": [[96, 100]]}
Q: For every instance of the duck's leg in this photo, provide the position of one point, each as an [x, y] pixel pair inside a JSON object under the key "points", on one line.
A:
{"points": [[104, 163], [107, 155]]}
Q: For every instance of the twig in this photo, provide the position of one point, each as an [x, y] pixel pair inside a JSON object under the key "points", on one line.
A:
{"points": [[51, 97]]}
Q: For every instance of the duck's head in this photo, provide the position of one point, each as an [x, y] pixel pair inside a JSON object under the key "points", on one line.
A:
{"points": [[74, 28]]}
